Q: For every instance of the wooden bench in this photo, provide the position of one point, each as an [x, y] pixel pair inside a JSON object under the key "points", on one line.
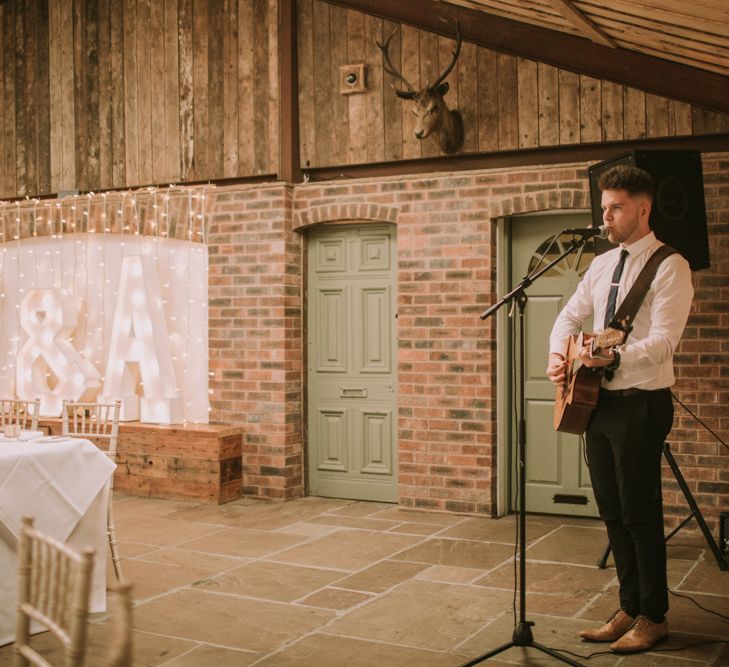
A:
{"points": [[200, 462]]}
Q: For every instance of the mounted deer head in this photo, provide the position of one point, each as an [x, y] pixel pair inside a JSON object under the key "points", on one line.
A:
{"points": [[433, 115]]}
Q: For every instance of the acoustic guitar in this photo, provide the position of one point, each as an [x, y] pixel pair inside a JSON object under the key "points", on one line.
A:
{"points": [[577, 396]]}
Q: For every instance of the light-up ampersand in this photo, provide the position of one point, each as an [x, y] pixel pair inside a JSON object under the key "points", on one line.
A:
{"points": [[140, 348], [48, 365]]}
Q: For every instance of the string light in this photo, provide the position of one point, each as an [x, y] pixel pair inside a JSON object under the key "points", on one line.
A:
{"points": [[76, 244]]}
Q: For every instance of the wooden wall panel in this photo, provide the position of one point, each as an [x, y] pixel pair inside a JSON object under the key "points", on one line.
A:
{"points": [[467, 73], [410, 69], [21, 111], [507, 103], [528, 103], [307, 97], [200, 72], [43, 113], [215, 94], [634, 113], [105, 93], [679, 118], [2, 99], [131, 112], [612, 111], [172, 97], [429, 70], [392, 115], [568, 92], [374, 138], [116, 66], [488, 102], [508, 96], [100, 94], [187, 107], [357, 104], [548, 79], [657, 110], [157, 88], [270, 110], [230, 89], [339, 40], [319, 83]]}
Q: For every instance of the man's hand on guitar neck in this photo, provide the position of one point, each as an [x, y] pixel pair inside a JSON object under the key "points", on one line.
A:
{"points": [[591, 360], [557, 368]]}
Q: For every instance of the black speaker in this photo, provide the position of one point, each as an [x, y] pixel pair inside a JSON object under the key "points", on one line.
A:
{"points": [[678, 215]]}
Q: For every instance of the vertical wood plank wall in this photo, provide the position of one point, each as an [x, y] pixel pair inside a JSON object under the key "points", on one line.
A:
{"points": [[100, 94], [506, 102]]}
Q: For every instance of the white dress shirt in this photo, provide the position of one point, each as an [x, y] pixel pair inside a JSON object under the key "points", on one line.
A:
{"points": [[646, 360]]}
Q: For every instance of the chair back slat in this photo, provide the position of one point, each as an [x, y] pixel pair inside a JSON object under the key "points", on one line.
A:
{"points": [[54, 586], [23, 414], [96, 420]]}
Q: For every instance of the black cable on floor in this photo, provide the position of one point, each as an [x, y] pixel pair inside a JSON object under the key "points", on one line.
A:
{"points": [[671, 649], [699, 605]]}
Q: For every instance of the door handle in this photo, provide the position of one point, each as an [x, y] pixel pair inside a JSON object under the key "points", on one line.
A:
{"points": [[352, 392]]}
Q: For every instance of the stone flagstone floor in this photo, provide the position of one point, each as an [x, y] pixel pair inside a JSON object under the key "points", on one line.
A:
{"points": [[331, 583]]}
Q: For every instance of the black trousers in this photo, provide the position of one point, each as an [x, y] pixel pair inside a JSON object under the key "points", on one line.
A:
{"points": [[624, 445]]}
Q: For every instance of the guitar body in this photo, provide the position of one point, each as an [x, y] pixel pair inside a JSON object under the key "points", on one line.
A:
{"points": [[577, 399], [578, 396]]}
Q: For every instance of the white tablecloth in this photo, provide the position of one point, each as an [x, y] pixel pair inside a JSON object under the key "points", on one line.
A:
{"points": [[64, 485]]}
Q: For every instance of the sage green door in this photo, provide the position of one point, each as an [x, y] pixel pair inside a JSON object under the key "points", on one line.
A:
{"points": [[558, 480], [352, 446]]}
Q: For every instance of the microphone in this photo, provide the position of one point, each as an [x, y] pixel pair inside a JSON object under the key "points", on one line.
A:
{"points": [[588, 232]]}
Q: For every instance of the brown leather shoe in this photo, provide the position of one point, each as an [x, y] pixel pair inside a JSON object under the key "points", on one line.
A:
{"points": [[615, 627], [643, 634]]}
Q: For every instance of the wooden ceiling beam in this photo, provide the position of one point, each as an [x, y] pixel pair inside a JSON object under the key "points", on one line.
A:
{"points": [[577, 54], [518, 158], [582, 23]]}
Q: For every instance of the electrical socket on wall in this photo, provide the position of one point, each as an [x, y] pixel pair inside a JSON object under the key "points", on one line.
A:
{"points": [[352, 79]]}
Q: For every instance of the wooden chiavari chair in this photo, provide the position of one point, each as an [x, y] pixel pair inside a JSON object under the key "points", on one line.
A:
{"points": [[54, 584], [54, 587], [98, 421], [23, 414]]}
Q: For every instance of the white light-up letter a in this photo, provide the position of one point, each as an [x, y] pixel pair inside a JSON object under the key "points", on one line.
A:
{"points": [[139, 342], [48, 317]]}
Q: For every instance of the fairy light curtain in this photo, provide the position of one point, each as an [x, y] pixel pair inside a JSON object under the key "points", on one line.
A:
{"points": [[104, 297]]}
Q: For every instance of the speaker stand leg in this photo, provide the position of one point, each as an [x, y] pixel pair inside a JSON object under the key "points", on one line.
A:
{"points": [[695, 514]]}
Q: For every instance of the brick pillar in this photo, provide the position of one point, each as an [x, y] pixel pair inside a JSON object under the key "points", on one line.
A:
{"points": [[255, 332]]}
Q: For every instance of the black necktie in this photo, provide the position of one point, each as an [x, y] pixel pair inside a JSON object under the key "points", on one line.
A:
{"points": [[614, 285]]}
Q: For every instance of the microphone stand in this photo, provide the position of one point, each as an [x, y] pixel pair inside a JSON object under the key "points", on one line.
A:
{"points": [[522, 635]]}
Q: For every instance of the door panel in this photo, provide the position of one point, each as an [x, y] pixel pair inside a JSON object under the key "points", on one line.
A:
{"points": [[557, 477], [332, 353], [376, 312], [352, 446]]}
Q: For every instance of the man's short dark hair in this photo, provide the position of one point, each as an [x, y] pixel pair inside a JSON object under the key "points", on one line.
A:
{"points": [[626, 177]]}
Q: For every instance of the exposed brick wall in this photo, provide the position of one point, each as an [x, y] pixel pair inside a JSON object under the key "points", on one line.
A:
{"points": [[255, 333], [702, 366], [446, 360]]}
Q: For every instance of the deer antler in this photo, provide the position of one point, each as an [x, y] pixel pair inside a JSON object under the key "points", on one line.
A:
{"points": [[390, 69], [448, 69]]}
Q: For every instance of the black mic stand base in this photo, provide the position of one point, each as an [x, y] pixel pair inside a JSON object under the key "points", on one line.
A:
{"points": [[523, 637]]}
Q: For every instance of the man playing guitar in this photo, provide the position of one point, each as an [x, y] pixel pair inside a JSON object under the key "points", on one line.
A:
{"points": [[634, 413]]}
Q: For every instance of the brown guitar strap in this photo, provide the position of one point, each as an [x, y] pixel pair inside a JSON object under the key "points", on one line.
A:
{"points": [[623, 319]]}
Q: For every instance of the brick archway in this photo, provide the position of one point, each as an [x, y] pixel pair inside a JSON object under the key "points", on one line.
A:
{"points": [[550, 200], [344, 212]]}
